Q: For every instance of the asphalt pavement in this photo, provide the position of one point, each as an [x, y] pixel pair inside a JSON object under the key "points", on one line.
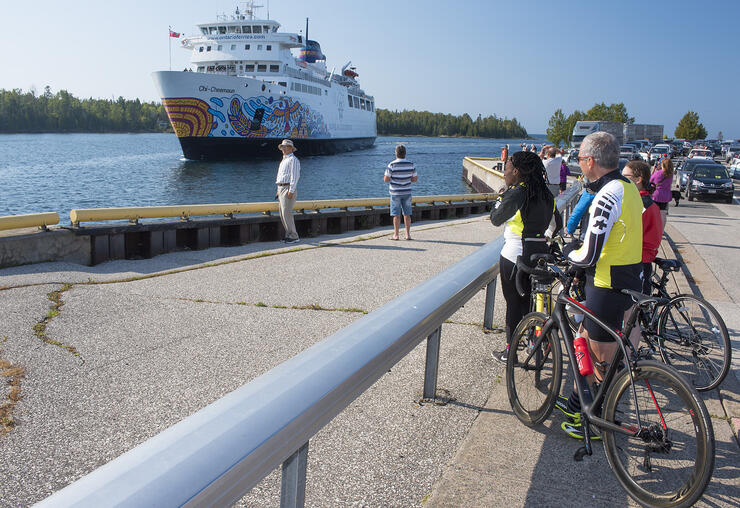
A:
{"points": [[135, 346]]}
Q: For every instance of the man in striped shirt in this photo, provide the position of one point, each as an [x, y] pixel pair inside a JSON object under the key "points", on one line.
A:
{"points": [[399, 174]]}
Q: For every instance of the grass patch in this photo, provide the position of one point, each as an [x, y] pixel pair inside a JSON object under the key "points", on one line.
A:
{"points": [[39, 329], [277, 306], [260, 304], [13, 374]]}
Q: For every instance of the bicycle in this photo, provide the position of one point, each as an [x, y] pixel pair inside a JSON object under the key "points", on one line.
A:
{"points": [[687, 332], [651, 419]]}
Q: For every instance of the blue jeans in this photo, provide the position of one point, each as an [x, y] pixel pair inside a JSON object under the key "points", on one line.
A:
{"points": [[400, 205]]}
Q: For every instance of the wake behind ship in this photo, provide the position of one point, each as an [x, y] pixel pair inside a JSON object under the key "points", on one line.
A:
{"points": [[245, 91]]}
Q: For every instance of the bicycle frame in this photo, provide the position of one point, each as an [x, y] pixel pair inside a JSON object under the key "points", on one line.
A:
{"points": [[588, 403]]}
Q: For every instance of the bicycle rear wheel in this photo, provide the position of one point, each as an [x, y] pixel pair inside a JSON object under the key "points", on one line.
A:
{"points": [[533, 380], [670, 462], [693, 338]]}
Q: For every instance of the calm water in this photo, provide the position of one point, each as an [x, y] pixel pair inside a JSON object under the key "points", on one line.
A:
{"points": [[59, 172]]}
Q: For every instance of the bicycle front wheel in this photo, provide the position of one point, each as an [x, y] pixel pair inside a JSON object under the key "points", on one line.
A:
{"points": [[693, 338], [533, 370], [670, 461]]}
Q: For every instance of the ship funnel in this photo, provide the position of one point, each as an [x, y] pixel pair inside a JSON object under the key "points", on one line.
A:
{"points": [[311, 53]]}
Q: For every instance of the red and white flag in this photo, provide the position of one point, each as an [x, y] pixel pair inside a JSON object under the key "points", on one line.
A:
{"points": [[176, 35]]}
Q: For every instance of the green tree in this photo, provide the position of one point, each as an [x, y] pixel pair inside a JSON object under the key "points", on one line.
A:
{"points": [[690, 128], [62, 112], [610, 113], [424, 123], [557, 128]]}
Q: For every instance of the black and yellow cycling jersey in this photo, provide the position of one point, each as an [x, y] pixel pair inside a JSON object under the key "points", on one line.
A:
{"points": [[612, 247], [525, 219]]}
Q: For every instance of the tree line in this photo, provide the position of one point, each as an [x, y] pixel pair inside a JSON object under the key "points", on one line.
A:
{"points": [[560, 126], [62, 112], [424, 123]]}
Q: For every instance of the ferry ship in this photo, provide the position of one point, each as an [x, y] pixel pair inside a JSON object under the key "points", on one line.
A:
{"points": [[245, 90]]}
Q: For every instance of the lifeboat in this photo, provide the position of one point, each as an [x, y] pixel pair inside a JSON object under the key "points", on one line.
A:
{"points": [[350, 73]]}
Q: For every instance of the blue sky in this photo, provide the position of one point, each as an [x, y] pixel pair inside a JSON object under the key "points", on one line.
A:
{"points": [[512, 59]]}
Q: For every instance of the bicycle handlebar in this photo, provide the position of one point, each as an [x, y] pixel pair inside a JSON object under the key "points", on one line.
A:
{"points": [[524, 269]]}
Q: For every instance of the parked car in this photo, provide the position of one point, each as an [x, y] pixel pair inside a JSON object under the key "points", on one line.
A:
{"points": [[684, 169], [701, 153], [730, 152], [735, 169], [628, 152], [710, 181], [657, 152]]}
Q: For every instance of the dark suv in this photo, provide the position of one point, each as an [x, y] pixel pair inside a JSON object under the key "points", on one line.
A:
{"points": [[684, 170], [711, 181]]}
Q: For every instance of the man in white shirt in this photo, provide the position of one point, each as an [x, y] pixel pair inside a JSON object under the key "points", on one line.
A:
{"points": [[552, 163], [287, 179]]}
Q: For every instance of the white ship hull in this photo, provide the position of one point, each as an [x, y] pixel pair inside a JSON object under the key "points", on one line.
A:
{"points": [[217, 116]]}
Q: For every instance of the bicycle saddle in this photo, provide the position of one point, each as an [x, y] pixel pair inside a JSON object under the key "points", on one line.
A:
{"points": [[672, 265]]}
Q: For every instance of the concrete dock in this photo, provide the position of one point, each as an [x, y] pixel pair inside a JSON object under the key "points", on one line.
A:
{"points": [[115, 353]]}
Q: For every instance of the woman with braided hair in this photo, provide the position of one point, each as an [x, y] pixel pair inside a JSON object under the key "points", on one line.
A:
{"points": [[528, 208]]}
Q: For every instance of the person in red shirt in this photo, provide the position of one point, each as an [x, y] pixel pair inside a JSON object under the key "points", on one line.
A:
{"points": [[652, 225]]}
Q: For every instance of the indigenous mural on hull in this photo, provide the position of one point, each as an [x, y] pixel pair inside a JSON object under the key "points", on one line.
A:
{"points": [[235, 116]]}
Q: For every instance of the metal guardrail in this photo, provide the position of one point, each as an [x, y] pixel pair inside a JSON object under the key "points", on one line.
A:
{"points": [[29, 220], [215, 456], [474, 160], [134, 214]]}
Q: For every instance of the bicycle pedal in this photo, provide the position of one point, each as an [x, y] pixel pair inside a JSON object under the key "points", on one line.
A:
{"points": [[580, 453]]}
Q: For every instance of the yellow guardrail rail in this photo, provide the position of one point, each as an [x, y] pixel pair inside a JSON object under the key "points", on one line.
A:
{"points": [[133, 214], [474, 160], [29, 220]]}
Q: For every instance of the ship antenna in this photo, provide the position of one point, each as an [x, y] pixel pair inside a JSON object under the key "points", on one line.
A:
{"points": [[306, 31], [268, 9]]}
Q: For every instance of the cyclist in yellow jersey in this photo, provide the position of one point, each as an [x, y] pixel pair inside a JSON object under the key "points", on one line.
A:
{"points": [[611, 253], [528, 208]]}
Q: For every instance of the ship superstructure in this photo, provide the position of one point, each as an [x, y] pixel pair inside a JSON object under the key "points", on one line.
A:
{"points": [[249, 86]]}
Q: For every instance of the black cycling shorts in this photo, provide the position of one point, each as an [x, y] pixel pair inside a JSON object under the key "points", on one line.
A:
{"points": [[609, 306]]}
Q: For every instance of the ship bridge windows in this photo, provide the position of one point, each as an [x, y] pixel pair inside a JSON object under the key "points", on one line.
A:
{"points": [[222, 29], [249, 68], [274, 68], [212, 30], [246, 29], [256, 29], [261, 68], [204, 30], [233, 29]]}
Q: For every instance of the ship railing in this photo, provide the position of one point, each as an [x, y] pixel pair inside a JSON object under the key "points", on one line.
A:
{"points": [[134, 214], [215, 456], [306, 76], [30, 220]]}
